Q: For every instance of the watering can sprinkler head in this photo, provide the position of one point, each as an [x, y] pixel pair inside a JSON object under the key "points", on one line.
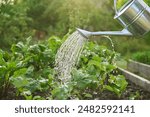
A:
{"points": [[84, 33], [134, 16]]}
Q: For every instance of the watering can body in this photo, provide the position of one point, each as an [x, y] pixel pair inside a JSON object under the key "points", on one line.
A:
{"points": [[134, 16]]}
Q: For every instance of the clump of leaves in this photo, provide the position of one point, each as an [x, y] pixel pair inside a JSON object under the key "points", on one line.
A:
{"points": [[28, 68], [96, 72]]}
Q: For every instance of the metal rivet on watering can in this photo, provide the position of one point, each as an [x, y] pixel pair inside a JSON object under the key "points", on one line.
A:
{"points": [[134, 16]]}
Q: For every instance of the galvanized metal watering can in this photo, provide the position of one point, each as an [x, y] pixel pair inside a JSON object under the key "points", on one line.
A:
{"points": [[134, 16]]}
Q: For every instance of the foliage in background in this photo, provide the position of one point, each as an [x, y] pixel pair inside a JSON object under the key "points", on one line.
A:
{"points": [[24, 18], [13, 22], [20, 19], [143, 57], [122, 2]]}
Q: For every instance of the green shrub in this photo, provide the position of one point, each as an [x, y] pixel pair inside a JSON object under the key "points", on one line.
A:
{"points": [[143, 57]]}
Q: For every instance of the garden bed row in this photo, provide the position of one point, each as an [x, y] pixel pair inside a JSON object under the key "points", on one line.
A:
{"points": [[138, 73], [139, 68]]}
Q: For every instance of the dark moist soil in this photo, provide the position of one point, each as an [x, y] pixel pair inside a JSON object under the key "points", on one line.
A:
{"points": [[133, 92]]}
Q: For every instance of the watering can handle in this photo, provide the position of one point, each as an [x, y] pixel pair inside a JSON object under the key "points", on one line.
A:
{"points": [[115, 6]]}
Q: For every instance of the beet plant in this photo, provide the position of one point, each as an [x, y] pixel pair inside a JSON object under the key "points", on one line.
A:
{"points": [[27, 72]]}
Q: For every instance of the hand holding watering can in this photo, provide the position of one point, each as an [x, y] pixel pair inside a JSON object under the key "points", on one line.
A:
{"points": [[134, 16]]}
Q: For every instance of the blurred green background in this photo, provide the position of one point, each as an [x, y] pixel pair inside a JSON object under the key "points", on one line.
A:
{"points": [[41, 19]]}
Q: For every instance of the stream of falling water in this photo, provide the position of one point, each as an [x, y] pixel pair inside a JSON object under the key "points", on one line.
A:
{"points": [[111, 41], [68, 55]]}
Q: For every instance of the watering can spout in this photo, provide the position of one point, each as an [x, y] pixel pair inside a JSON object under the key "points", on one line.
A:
{"points": [[88, 34]]}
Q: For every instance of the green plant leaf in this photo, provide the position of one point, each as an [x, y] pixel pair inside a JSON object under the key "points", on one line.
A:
{"points": [[20, 82], [20, 72], [87, 95]]}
